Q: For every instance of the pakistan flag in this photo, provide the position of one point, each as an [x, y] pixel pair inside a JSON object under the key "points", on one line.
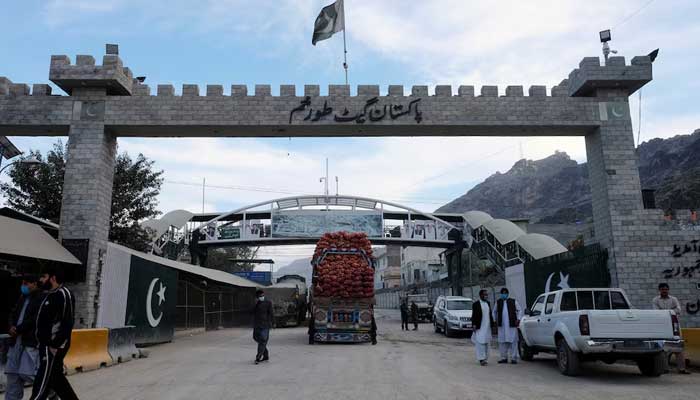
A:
{"points": [[331, 20]]}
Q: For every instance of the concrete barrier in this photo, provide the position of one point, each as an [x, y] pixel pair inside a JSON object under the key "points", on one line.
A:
{"points": [[121, 344], [88, 351], [692, 345], [4, 345]]}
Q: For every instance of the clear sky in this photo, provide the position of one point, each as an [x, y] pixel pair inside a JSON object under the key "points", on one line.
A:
{"points": [[389, 42]]}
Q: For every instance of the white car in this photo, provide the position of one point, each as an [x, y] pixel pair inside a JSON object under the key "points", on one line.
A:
{"points": [[452, 314], [598, 324]]}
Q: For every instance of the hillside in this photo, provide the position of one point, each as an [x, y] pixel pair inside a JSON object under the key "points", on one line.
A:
{"points": [[555, 189]]}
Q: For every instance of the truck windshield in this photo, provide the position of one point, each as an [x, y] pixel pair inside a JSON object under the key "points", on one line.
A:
{"points": [[459, 305]]}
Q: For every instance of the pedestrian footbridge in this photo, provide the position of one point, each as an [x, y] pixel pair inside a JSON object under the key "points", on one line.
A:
{"points": [[304, 219]]}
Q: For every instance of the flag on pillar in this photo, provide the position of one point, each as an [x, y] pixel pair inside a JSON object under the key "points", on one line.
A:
{"points": [[331, 20]]}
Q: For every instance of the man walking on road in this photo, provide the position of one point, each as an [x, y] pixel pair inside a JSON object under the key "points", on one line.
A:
{"points": [[414, 315], [664, 301], [54, 324], [262, 322], [404, 315], [23, 355], [507, 315], [482, 322]]}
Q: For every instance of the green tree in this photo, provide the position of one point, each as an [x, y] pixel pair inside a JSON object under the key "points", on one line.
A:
{"points": [[38, 190], [219, 258]]}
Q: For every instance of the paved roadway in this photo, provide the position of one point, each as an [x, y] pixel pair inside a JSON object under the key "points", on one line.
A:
{"points": [[404, 365]]}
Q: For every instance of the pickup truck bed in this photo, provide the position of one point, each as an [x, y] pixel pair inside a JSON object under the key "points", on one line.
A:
{"points": [[598, 324]]}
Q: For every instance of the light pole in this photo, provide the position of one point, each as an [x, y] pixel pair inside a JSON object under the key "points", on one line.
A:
{"points": [[25, 161]]}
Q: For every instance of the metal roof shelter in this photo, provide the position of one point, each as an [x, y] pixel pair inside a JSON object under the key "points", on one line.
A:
{"points": [[7, 149], [213, 274], [48, 226], [539, 245], [503, 230], [476, 218], [19, 238]]}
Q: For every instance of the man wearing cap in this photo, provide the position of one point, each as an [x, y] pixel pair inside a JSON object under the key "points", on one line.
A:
{"points": [[262, 322]]}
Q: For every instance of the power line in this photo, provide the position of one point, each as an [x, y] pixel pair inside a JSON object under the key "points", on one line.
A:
{"points": [[632, 15]]}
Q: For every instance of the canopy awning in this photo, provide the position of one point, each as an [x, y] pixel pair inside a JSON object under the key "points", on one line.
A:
{"points": [[23, 239]]}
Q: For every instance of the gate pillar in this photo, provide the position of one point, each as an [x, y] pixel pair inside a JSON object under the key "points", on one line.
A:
{"points": [[88, 180], [612, 158]]}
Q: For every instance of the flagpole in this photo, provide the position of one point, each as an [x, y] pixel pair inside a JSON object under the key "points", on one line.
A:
{"points": [[345, 56], [345, 48]]}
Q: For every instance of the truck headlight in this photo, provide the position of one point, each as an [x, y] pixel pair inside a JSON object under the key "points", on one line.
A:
{"points": [[452, 317]]}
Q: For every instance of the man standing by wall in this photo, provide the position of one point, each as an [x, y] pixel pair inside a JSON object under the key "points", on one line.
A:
{"points": [[507, 315], [54, 325], [262, 322], [23, 356], [482, 322], [664, 301]]}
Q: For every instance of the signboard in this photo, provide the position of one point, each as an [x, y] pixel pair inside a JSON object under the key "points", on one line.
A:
{"points": [[152, 300], [315, 223], [587, 269], [229, 232], [262, 277]]}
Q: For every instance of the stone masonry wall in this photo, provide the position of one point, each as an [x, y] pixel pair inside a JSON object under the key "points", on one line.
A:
{"points": [[87, 194]]}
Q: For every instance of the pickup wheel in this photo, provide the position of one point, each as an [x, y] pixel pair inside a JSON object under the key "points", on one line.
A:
{"points": [[652, 365], [525, 351], [568, 361]]}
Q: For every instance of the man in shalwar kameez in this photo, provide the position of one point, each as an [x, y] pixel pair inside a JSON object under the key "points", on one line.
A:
{"points": [[507, 315], [482, 322]]}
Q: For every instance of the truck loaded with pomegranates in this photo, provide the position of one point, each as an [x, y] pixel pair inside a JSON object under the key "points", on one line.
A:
{"points": [[342, 290]]}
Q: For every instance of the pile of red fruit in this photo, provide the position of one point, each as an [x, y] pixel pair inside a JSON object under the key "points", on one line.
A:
{"points": [[344, 275]]}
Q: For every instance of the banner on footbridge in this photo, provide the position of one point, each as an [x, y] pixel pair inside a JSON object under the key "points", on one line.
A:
{"points": [[306, 223]]}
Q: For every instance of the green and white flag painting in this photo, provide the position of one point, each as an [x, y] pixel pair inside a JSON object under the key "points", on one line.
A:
{"points": [[331, 20]]}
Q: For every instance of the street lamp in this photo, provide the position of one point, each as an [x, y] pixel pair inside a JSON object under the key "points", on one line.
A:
{"points": [[605, 37], [25, 161]]}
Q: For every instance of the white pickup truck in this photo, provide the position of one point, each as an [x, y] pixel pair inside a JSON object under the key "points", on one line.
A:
{"points": [[598, 324]]}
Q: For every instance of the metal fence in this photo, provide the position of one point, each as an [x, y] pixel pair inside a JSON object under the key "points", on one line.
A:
{"points": [[213, 307]]}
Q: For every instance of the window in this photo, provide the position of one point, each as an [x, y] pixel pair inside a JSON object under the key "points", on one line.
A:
{"points": [[442, 304], [618, 301], [538, 307], [568, 302], [459, 305], [585, 300], [549, 307], [602, 299]]}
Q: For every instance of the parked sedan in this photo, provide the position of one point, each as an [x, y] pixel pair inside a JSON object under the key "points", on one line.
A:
{"points": [[452, 314]]}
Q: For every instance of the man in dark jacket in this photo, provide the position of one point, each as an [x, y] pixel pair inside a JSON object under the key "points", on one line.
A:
{"points": [[482, 322], [262, 322], [54, 325], [404, 315], [23, 355], [507, 315], [414, 315]]}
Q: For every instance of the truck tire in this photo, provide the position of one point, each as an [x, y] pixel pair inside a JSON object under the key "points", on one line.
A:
{"points": [[652, 365], [568, 361], [525, 351], [448, 331]]}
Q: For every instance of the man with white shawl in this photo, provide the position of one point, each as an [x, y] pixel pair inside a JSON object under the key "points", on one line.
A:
{"points": [[507, 315], [482, 322]]}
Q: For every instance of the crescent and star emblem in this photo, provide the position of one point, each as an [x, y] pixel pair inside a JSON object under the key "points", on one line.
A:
{"points": [[563, 282], [149, 297], [617, 112]]}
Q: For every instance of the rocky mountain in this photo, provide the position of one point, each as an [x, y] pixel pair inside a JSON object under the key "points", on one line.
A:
{"points": [[555, 189]]}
